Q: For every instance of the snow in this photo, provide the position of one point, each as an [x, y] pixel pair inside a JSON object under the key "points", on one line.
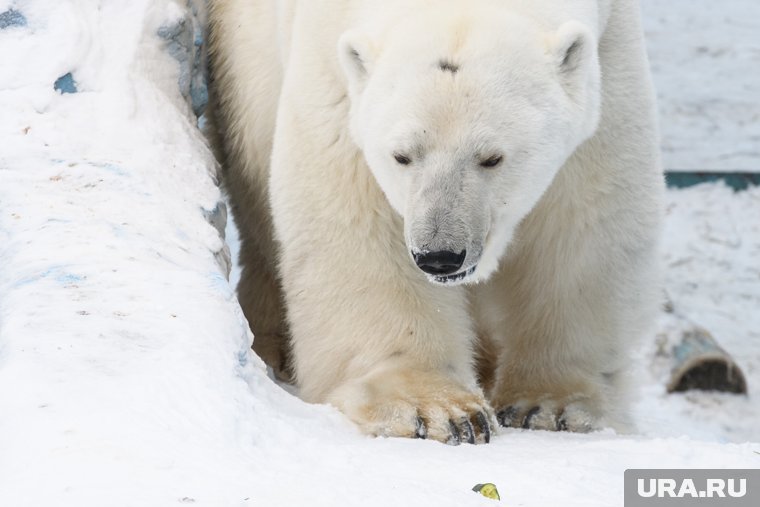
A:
{"points": [[711, 247], [125, 373], [705, 57]]}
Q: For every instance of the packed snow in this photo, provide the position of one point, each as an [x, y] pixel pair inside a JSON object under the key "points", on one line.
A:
{"points": [[126, 377]]}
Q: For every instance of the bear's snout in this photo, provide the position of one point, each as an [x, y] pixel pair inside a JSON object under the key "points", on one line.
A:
{"points": [[442, 262]]}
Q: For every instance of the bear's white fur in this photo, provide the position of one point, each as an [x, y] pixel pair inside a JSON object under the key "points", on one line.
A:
{"points": [[360, 136]]}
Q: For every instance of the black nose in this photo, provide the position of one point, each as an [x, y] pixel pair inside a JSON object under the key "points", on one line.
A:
{"points": [[440, 263]]}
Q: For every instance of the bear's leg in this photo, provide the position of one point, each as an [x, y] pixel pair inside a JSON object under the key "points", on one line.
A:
{"points": [[261, 300], [580, 284], [259, 290], [562, 312], [370, 334]]}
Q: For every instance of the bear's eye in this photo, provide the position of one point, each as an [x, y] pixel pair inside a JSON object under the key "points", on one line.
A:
{"points": [[402, 159], [491, 161]]}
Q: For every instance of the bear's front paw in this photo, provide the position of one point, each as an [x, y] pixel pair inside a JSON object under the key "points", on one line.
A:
{"points": [[417, 405], [548, 415]]}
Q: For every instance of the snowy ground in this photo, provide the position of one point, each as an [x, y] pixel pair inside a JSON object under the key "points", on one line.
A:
{"points": [[705, 57], [712, 273], [125, 375]]}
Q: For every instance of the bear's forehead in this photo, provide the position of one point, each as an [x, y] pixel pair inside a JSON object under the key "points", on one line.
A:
{"points": [[447, 65]]}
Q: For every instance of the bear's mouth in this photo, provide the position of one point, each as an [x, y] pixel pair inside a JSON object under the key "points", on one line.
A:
{"points": [[455, 278]]}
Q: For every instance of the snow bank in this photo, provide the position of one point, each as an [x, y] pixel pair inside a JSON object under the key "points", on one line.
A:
{"points": [[125, 372]]}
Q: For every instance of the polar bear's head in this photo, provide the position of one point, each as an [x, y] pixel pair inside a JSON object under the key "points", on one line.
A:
{"points": [[464, 121]]}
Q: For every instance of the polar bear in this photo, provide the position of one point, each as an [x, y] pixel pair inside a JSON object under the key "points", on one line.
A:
{"points": [[449, 210]]}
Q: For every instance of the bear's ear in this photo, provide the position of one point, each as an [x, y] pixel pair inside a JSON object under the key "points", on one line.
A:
{"points": [[356, 54], [572, 48]]}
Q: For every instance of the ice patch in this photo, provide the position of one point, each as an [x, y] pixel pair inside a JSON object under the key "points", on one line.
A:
{"points": [[11, 18], [58, 274], [184, 41], [65, 84]]}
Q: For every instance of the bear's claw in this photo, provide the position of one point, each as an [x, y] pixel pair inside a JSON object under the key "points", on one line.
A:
{"points": [[456, 437], [475, 429], [547, 416], [470, 431], [461, 432], [485, 427], [508, 417], [421, 429]]}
